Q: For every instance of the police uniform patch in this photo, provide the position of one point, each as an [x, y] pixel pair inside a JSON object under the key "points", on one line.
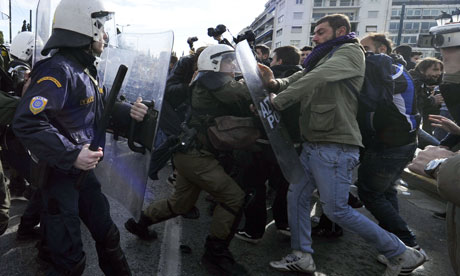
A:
{"points": [[48, 78], [37, 104]]}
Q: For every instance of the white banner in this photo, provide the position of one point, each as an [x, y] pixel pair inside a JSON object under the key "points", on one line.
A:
{"points": [[4, 7]]}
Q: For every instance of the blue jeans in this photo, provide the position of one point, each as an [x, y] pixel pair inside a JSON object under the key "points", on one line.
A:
{"points": [[329, 167], [379, 170]]}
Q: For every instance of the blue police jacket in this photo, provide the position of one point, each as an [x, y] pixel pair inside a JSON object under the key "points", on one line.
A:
{"points": [[60, 109]]}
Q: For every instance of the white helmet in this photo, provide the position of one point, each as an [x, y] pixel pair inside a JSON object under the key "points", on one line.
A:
{"points": [[23, 45], [211, 58], [77, 23]]}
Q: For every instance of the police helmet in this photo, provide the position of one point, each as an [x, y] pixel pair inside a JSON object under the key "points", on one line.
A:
{"points": [[77, 24], [22, 46], [214, 57]]}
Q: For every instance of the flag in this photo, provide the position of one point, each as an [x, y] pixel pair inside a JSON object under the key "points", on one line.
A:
{"points": [[4, 7]]}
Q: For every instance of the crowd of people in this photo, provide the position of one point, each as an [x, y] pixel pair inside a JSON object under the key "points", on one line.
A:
{"points": [[49, 116]]}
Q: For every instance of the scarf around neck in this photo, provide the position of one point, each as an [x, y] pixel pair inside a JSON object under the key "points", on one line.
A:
{"points": [[323, 49]]}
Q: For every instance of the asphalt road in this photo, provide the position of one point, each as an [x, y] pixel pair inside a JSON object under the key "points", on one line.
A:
{"points": [[346, 256]]}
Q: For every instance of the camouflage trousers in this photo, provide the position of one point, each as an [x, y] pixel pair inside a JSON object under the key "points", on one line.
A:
{"points": [[4, 198], [199, 170]]}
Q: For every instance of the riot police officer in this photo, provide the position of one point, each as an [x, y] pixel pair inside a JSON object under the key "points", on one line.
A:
{"points": [[214, 93], [56, 120]]}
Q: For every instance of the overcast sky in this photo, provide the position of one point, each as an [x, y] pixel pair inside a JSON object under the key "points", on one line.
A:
{"points": [[185, 18]]}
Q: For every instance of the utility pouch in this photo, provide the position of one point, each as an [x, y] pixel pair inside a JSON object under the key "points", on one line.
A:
{"points": [[232, 132]]}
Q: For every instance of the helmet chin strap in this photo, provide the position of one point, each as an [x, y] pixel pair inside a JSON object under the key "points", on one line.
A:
{"points": [[95, 55]]}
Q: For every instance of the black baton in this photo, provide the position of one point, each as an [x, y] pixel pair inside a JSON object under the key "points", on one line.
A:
{"points": [[105, 119]]}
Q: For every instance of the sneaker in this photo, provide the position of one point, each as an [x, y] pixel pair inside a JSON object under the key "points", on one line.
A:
{"points": [[383, 260], [284, 231], [296, 261], [404, 263], [242, 235]]}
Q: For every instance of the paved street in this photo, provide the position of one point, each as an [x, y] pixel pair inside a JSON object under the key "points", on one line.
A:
{"points": [[346, 256]]}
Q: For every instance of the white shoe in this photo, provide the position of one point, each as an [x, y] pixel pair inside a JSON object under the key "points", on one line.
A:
{"points": [[296, 261], [383, 260], [404, 263]]}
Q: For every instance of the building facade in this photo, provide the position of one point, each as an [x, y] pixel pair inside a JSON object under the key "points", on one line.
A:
{"points": [[291, 22], [419, 17]]}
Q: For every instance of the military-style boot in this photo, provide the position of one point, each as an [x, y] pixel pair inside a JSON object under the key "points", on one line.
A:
{"points": [[112, 260], [27, 230], [141, 228], [218, 260]]}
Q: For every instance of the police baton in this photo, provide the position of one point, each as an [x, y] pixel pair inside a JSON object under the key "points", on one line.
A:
{"points": [[104, 122]]}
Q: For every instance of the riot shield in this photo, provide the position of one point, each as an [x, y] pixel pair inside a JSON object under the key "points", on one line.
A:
{"points": [[123, 173], [278, 136], [44, 23]]}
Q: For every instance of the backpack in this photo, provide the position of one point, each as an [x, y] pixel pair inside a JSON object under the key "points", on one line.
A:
{"points": [[378, 85]]}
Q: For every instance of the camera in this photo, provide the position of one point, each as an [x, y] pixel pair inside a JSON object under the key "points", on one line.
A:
{"points": [[441, 37], [191, 40], [248, 35], [219, 30]]}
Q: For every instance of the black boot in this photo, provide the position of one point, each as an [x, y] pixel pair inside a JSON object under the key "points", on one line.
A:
{"points": [[218, 260], [27, 231], [327, 229], [112, 260], [3, 227], [141, 228]]}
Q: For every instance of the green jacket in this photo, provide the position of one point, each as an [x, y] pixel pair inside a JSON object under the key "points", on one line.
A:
{"points": [[8, 106], [328, 107], [215, 95]]}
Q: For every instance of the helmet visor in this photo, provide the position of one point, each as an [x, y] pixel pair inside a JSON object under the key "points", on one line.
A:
{"points": [[104, 28], [228, 63]]}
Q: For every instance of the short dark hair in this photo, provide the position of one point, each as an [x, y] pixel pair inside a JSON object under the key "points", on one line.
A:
{"points": [[263, 49], [289, 54], [306, 48], [379, 39], [425, 63], [416, 54], [336, 21], [404, 50]]}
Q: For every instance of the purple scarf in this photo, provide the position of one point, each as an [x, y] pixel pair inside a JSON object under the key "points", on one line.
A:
{"points": [[323, 49]]}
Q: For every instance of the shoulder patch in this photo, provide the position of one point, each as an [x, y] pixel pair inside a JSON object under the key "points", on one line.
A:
{"points": [[37, 104], [48, 78]]}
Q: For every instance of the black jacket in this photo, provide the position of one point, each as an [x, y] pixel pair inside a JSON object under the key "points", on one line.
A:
{"points": [[425, 102], [396, 124], [289, 116]]}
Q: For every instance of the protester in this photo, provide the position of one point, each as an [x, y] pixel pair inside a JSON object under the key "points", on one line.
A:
{"points": [[264, 165], [426, 75], [305, 51], [388, 151], [263, 54], [331, 146]]}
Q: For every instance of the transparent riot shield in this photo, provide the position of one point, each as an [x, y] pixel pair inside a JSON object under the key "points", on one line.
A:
{"points": [[123, 173], [44, 23], [278, 136]]}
